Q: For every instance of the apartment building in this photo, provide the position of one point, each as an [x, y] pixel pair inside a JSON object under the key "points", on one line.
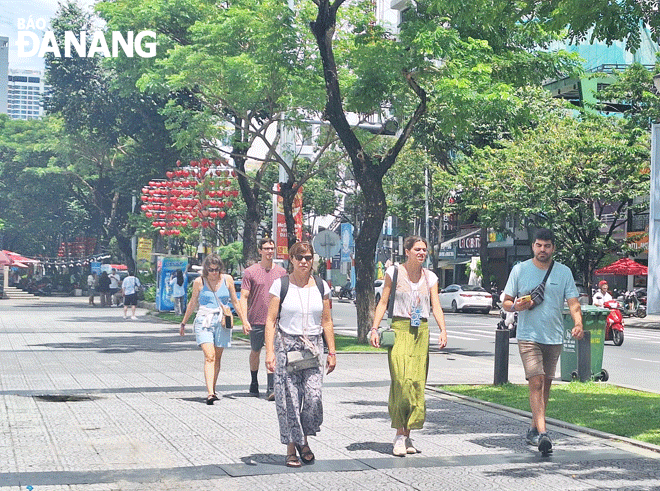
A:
{"points": [[4, 67], [25, 94]]}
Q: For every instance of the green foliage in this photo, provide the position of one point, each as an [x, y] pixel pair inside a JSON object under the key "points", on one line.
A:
{"points": [[232, 256], [38, 195], [561, 175], [624, 412], [634, 89]]}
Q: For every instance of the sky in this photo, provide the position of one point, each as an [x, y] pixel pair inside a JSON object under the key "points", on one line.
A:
{"points": [[10, 13]]}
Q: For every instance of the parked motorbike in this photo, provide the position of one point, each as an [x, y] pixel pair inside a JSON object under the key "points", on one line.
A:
{"points": [[630, 305], [614, 323], [42, 288]]}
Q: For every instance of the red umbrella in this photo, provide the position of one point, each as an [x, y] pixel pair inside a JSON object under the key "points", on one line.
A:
{"points": [[624, 267], [14, 257], [4, 259]]}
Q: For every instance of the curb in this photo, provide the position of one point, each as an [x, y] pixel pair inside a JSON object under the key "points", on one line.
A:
{"points": [[555, 422]]}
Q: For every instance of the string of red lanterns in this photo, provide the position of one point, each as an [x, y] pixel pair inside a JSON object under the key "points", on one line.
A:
{"points": [[193, 195]]}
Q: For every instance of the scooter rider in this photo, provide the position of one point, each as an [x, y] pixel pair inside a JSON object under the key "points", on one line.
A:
{"points": [[601, 296]]}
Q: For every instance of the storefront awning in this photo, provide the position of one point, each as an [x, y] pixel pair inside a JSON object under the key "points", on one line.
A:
{"points": [[448, 244]]}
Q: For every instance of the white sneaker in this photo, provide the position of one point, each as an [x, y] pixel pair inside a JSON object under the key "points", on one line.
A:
{"points": [[125, 317], [410, 447], [133, 318], [399, 446]]}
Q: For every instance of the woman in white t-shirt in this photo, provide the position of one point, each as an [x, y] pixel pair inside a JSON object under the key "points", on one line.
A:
{"points": [[305, 320], [416, 297]]}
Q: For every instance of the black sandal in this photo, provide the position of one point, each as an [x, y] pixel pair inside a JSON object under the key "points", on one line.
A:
{"points": [[292, 460], [211, 399], [305, 454]]}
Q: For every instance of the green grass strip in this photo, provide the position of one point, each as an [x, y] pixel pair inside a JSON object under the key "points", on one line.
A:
{"points": [[604, 407]]}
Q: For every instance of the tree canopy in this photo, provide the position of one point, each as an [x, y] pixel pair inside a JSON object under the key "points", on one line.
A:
{"points": [[602, 168]]}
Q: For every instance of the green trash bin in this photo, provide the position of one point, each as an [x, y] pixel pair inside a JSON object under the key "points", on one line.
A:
{"points": [[593, 320]]}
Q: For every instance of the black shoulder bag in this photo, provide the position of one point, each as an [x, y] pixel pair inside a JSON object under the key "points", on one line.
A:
{"points": [[538, 292]]}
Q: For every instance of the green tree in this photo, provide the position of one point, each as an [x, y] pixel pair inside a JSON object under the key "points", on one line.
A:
{"points": [[566, 174], [634, 90], [250, 75], [40, 202], [114, 138]]}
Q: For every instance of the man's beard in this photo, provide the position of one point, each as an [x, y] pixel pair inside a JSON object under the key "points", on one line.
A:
{"points": [[545, 259]]}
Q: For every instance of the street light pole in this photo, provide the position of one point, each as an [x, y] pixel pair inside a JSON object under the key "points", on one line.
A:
{"points": [[653, 283]]}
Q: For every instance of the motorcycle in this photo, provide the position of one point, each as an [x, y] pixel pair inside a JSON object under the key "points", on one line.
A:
{"points": [[346, 292], [630, 305], [614, 323]]}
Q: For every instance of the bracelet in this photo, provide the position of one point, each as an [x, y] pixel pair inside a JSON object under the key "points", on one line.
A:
{"points": [[332, 353]]}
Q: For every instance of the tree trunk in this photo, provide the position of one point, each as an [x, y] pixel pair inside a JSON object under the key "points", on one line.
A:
{"points": [[368, 170], [250, 197]]}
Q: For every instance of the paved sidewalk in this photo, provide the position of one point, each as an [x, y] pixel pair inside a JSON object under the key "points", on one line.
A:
{"points": [[89, 401]]}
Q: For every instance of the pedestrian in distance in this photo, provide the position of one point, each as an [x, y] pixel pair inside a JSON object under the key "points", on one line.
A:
{"points": [[178, 292], [211, 293], [415, 298], [297, 324], [115, 281], [129, 287], [537, 289], [104, 289], [92, 285], [255, 297]]}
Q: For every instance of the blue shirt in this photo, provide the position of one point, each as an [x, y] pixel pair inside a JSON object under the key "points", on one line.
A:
{"points": [[544, 323]]}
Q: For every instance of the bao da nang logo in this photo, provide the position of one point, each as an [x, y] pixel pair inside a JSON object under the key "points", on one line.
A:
{"points": [[83, 44]]}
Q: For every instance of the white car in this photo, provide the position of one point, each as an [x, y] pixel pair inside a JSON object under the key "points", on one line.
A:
{"points": [[465, 297]]}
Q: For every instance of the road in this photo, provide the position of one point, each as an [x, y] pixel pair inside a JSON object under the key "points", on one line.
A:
{"points": [[635, 364]]}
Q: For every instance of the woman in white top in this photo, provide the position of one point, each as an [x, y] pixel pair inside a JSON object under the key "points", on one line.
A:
{"points": [[416, 297], [304, 320]]}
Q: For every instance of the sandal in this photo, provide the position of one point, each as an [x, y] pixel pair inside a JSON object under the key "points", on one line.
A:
{"points": [[305, 454], [211, 399], [292, 460]]}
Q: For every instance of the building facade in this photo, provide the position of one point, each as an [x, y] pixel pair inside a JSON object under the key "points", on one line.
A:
{"points": [[4, 67], [25, 94]]}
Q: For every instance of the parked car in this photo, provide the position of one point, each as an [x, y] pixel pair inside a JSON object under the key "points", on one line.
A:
{"points": [[465, 297], [378, 289]]}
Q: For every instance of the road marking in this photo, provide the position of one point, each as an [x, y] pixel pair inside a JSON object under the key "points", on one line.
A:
{"points": [[647, 361]]}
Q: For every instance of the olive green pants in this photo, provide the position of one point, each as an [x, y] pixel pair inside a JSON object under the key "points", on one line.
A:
{"points": [[409, 366]]}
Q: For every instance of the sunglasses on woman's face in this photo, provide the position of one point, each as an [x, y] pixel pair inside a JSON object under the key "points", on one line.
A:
{"points": [[300, 257], [213, 270]]}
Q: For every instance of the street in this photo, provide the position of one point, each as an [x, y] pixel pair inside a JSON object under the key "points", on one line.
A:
{"points": [[634, 364]]}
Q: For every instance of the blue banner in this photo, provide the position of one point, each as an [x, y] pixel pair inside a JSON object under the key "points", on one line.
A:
{"points": [[347, 243], [168, 266]]}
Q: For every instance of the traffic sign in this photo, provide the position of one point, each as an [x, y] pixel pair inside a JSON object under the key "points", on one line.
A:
{"points": [[326, 243]]}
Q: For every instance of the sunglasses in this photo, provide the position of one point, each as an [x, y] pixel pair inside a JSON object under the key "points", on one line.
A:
{"points": [[300, 257], [213, 270]]}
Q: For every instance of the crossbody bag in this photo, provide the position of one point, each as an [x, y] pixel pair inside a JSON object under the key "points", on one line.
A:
{"points": [[387, 335], [227, 321]]}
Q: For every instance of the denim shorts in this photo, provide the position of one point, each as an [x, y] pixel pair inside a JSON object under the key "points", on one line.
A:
{"points": [[215, 333]]}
